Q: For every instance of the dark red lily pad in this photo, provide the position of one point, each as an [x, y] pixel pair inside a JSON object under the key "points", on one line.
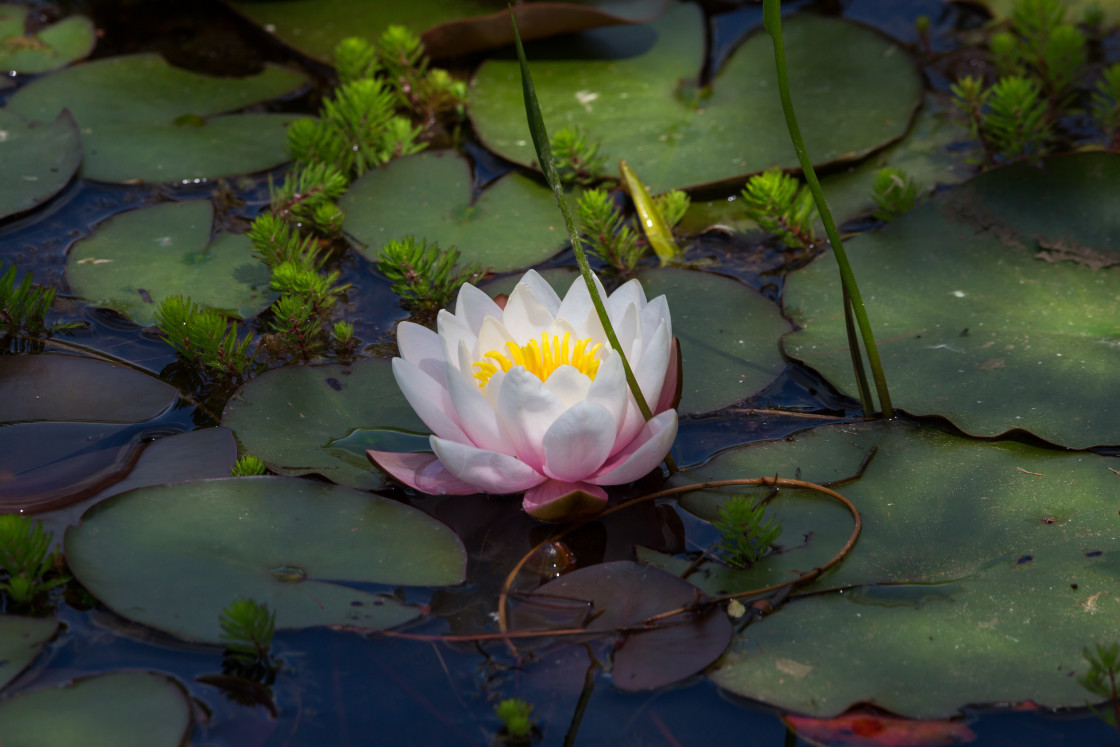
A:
{"points": [[862, 729], [625, 594]]}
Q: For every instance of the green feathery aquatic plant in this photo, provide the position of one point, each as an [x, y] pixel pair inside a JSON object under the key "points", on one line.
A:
{"points": [[744, 538], [423, 275], [247, 466], [779, 204], [26, 559]]}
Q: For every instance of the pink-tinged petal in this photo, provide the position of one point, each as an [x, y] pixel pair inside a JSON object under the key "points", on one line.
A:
{"points": [[526, 409], [569, 385], [578, 442], [475, 414], [650, 373], [674, 379], [525, 315], [429, 399], [488, 471], [423, 348], [642, 454], [629, 334], [422, 472], [609, 389], [473, 305], [564, 501]]}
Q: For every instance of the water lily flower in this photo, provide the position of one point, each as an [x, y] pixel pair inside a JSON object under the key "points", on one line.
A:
{"points": [[531, 397]]}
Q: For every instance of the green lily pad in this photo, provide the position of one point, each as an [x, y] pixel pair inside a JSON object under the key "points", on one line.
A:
{"points": [[513, 224], [977, 578], [320, 420], [121, 709], [142, 119], [21, 640], [728, 334], [55, 46], [637, 106], [39, 160], [454, 27], [174, 556], [1075, 9], [991, 304], [136, 259], [924, 155], [71, 426]]}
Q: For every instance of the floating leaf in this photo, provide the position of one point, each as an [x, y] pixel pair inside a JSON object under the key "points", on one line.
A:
{"points": [[513, 224], [174, 556], [21, 640], [136, 259], [991, 304], [624, 593], [728, 335], [131, 113], [55, 46], [39, 159], [454, 27], [978, 576], [59, 444], [122, 709], [320, 420], [623, 87], [877, 730]]}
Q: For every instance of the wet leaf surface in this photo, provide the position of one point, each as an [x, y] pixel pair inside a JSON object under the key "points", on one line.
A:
{"points": [[450, 27], [52, 47], [136, 259], [624, 87], [291, 544], [21, 640], [990, 304], [982, 571], [512, 224], [622, 594], [121, 709], [130, 110], [39, 160], [320, 420], [877, 730]]}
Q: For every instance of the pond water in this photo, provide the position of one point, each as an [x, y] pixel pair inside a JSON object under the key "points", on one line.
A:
{"points": [[337, 684]]}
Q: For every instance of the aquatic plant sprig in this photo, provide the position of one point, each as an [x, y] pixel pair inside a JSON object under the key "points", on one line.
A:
{"points": [[26, 558], [516, 715], [424, 276], [204, 336], [744, 538], [539, 134], [780, 205], [894, 192], [247, 629], [1101, 679], [772, 21]]}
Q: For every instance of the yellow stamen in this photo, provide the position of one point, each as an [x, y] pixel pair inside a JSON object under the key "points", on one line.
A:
{"points": [[541, 359]]}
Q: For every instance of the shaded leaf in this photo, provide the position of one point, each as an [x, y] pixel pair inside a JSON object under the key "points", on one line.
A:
{"points": [[288, 543], [21, 640], [624, 593], [52, 47], [39, 160]]}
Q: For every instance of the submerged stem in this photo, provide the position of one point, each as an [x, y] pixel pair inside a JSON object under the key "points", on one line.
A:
{"points": [[772, 20]]}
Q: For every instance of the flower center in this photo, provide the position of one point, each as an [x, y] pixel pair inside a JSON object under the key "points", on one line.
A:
{"points": [[541, 359]]}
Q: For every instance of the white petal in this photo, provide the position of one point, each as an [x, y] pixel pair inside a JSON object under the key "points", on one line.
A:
{"points": [[527, 410], [577, 307], [650, 373], [473, 305], [453, 330], [609, 389], [578, 442], [542, 291], [642, 454], [629, 334], [421, 347], [476, 415], [526, 315], [429, 399], [657, 310], [490, 471], [568, 384], [493, 336], [629, 293]]}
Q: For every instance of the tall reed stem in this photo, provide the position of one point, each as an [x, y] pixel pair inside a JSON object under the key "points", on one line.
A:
{"points": [[772, 20]]}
